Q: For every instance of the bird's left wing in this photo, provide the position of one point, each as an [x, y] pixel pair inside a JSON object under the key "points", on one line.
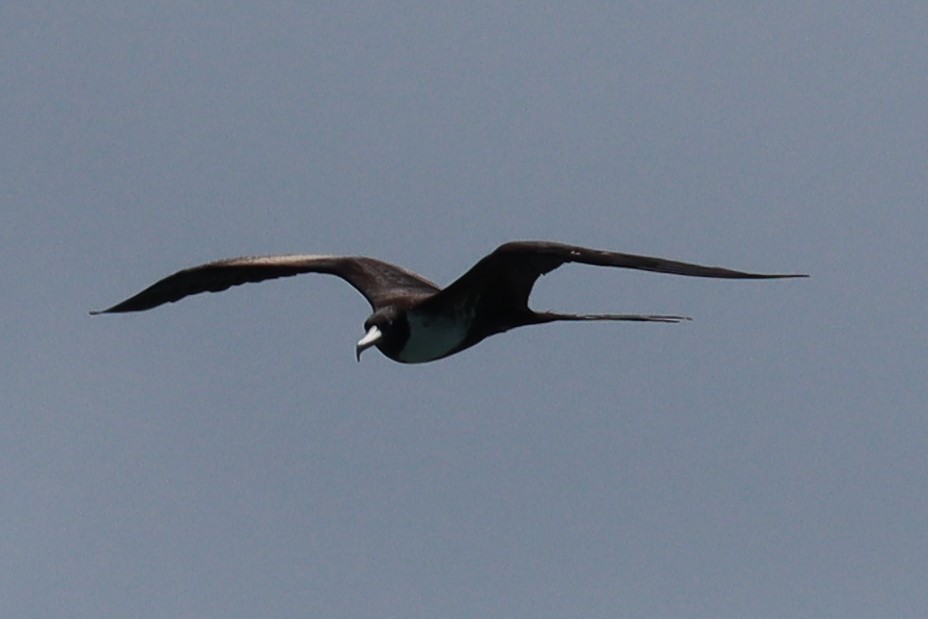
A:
{"points": [[545, 256], [380, 282], [511, 270]]}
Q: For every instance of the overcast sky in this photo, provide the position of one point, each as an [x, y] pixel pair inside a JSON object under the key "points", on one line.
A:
{"points": [[228, 457]]}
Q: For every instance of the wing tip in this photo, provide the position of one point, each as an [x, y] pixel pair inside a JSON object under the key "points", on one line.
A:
{"points": [[129, 305], [110, 310]]}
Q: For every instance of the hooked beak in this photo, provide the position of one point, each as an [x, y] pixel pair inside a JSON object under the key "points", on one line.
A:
{"points": [[370, 338]]}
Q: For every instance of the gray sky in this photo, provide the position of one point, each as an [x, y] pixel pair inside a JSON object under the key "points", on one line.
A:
{"points": [[227, 457]]}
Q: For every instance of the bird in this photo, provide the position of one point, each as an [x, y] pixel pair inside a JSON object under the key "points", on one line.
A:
{"points": [[415, 321]]}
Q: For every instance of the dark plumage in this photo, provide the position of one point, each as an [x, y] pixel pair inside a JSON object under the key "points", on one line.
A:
{"points": [[414, 320]]}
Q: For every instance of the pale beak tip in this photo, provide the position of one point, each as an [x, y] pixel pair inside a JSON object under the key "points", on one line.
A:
{"points": [[370, 339]]}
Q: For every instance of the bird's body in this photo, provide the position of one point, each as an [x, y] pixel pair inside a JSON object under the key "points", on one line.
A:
{"points": [[434, 337], [415, 321]]}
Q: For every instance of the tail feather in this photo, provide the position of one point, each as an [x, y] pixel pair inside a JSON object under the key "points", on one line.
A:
{"points": [[553, 316]]}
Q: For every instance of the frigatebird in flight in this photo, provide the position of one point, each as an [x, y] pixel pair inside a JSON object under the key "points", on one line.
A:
{"points": [[415, 321]]}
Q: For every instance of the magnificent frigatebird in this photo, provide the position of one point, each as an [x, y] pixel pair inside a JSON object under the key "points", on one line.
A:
{"points": [[415, 321]]}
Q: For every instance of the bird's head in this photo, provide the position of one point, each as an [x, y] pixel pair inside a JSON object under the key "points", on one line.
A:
{"points": [[387, 329]]}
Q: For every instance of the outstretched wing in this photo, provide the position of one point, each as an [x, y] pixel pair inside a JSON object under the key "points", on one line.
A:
{"points": [[509, 273], [379, 282]]}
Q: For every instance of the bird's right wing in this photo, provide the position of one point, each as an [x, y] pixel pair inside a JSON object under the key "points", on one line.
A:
{"points": [[379, 282]]}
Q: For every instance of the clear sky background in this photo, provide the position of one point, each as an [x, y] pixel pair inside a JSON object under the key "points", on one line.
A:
{"points": [[227, 457]]}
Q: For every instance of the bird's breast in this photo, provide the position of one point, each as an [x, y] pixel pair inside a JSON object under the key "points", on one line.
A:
{"points": [[433, 337]]}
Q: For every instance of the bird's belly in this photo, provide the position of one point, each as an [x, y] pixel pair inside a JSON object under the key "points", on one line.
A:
{"points": [[433, 337]]}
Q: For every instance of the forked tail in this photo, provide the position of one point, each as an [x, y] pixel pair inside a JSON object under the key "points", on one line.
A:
{"points": [[543, 317]]}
